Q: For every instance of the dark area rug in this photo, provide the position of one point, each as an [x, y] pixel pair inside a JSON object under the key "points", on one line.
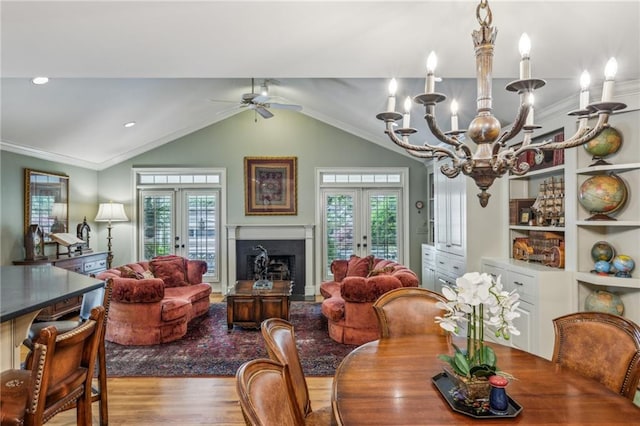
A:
{"points": [[208, 350]]}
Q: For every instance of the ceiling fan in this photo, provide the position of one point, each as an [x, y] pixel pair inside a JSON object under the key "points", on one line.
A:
{"points": [[261, 102]]}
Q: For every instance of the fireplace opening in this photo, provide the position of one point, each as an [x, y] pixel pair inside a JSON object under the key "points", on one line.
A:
{"points": [[286, 262]]}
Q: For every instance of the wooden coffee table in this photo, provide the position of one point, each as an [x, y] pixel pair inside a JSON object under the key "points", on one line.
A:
{"points": [[247, 307]]}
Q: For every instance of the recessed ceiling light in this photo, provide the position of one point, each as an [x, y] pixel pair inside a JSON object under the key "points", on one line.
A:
{"points": [[40, 80], [129, 124]]}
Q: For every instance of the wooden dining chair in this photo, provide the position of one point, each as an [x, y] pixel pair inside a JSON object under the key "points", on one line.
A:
{"points": [[266, 394], [60, 371], [600, 346], [281, 346], [98, 297], [408, 311]]}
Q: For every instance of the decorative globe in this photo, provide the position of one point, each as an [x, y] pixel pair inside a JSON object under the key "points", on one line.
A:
{"points": [[606, 143], [602, 267], [602, 250], [602, 194], [603, 301], [623, 264]]}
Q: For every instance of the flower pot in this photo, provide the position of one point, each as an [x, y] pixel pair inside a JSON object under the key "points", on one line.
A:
{"points": [[472, 389]]}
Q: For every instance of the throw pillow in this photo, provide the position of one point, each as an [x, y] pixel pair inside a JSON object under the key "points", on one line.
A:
{"points": [[170, 269], [359, 266], [387, 270], [127, 272], [147, 275]]}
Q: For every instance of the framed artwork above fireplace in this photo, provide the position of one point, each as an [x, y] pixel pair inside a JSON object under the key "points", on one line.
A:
{"points": [[271, 186]]}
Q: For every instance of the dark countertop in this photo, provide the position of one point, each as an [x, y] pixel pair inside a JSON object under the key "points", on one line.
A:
{"points": [[24, 289]]}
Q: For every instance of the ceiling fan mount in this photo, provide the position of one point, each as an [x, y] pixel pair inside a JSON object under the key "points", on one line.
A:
{"points": [[261, 102]]}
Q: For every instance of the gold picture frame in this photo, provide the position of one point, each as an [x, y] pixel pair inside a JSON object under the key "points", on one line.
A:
{"points": [[271, 186]]}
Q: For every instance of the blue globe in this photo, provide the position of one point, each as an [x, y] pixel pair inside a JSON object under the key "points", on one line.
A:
{"points": [[602, 267], [623, 264]]}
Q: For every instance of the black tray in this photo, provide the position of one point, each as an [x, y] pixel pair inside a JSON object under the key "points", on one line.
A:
{"points": [[444, 384]]}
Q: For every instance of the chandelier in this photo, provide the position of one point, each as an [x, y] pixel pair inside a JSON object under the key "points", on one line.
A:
{"points": [[493, 157]]}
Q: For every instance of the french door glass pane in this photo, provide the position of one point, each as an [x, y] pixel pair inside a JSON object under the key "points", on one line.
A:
{"points": [[339, 228], [383, 209], [157, 224], [202, 232]]}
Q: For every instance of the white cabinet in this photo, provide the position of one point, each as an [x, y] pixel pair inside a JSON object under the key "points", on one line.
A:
{"points": [[448, 268], [450, 201], [545, 294], [428, 267]]}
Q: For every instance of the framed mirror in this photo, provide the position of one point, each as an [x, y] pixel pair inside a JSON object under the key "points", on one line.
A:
{"points": [[46, 202]]}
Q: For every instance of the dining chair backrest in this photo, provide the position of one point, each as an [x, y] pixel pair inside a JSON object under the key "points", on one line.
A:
{"points": [[64, 372], [21, 389], [600, 346], [69, 368], [408, 311], [98, 297], [266, 394], [280, 340]]}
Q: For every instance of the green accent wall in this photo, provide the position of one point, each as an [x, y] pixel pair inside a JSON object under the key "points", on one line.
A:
{"points": [[83, 198]]}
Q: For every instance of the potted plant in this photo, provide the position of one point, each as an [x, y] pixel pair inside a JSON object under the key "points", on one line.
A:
{"points": [[475, 302]]}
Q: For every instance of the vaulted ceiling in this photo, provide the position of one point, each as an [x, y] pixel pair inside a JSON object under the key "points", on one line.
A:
{"points": [[160, 64]]}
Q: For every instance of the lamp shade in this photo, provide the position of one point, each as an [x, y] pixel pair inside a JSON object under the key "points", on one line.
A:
{"points": [[111, 212]]}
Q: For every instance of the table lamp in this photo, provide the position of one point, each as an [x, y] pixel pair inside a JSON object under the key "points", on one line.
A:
{"points": [[111, 212]]}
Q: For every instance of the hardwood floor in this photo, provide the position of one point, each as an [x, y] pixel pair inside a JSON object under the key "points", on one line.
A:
{"points": [[181, 401], [185, 401]]}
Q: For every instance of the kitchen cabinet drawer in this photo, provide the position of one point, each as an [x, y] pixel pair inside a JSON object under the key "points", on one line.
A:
{"points": [[525, 285]]}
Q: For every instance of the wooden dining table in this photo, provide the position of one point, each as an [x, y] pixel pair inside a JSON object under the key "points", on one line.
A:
{"points": [[389, 382], [24, 291]]}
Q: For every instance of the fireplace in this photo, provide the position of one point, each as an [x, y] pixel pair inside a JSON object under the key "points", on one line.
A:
{"points": [[286, 262], [290, 250]]}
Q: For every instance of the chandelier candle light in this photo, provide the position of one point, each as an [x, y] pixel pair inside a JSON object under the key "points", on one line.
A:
{"points": [[111, 212], [492, 157]]}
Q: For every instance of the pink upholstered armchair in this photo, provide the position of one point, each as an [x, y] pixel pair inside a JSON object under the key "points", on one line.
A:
{"points": [[152, 302], [357, 284]]}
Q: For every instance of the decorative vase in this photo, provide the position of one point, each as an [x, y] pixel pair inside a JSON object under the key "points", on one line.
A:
{"points": [[498, 400]]}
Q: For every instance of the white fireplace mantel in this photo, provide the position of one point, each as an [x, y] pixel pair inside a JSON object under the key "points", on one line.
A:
{"points": [[272, 232]]}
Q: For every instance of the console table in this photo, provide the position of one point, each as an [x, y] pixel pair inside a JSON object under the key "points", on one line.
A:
{"points": [[248, 307], [88, 263], [24, 291]]}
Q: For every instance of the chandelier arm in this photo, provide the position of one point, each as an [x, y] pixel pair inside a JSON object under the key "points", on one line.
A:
{"points": [[416, 148], [518, 124], [581, 137], [430, 117], [402, 144]]}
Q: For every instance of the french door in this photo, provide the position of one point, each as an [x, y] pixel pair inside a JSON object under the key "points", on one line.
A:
{"points": [[361, 221], [184, 222]]}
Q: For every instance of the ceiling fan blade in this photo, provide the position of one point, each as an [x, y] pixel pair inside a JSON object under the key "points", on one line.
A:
{"points": [[263, 112], [286, 106]]}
